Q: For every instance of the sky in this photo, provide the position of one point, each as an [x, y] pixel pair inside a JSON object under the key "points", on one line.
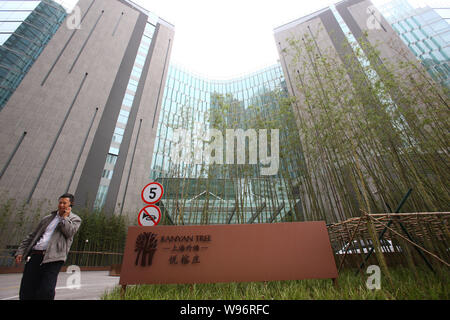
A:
{"points": [[223, 39]]}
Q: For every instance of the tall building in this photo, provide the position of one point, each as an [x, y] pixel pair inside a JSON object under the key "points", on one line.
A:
{"points": [[101, 113], [25, 29], [338, 30], [359, 92], [426, 32], [198, 192], [82, 119]]}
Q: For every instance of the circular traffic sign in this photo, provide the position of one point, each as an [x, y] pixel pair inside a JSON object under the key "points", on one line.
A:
{"points": [[149, 216], [152, 193]]}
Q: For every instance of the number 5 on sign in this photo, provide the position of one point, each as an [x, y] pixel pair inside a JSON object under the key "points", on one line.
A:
{"points": [[152, 193]]}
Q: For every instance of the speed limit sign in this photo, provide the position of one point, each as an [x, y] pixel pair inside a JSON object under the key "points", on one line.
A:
{"points": [[152, 193]]}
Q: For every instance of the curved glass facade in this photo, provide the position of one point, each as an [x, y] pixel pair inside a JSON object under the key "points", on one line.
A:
{"points": [[25, 29], [201, 192]]}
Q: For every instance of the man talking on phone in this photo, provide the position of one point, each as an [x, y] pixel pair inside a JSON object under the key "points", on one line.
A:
{"points": [[45, 251]]}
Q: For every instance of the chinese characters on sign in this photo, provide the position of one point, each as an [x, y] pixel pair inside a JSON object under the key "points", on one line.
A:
{"points": [[186, 248], [182, 250], [185, 253]]}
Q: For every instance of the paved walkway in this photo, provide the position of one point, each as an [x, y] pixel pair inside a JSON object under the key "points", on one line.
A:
{"points": [[93, 285]]}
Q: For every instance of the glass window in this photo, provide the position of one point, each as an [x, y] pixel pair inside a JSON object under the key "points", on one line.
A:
{"points": [[408, 39], [132, 87], [146, 41], [111, 159], [414, 49], [127, 103], [140, 59], [419, 34], [437, 56], [101, 196], [114, 151], [430, 16], [118, 134], [107, 174], [445, 37], [439, 26], [431, 44], [122, 119]]}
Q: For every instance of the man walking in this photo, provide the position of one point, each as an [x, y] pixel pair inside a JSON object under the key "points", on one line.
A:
{"points": [[45, 251]]}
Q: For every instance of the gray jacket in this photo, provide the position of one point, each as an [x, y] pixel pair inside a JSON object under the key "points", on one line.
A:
{"points": [[60, 242]]}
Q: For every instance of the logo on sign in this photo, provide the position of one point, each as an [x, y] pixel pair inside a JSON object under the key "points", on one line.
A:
{"points": [[146, 245]]}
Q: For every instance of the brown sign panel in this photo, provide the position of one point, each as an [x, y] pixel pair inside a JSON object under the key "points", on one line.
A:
{"points": [[227, 253]]}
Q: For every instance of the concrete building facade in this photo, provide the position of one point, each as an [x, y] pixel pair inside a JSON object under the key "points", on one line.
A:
{"points": [[344, 34], [337, 30], [96, 82]]}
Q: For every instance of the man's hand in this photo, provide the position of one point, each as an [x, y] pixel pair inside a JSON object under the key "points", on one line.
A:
{"points": [[66, 212], [19, 259]]}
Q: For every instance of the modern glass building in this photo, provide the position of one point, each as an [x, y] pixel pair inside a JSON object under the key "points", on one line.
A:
{"points": [[25, 29], [102, 109], [426, 31], [198, 192]]}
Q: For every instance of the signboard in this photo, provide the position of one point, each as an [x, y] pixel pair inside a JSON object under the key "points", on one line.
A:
{"points": [[149, 216], [227, 253], [152, 193]]}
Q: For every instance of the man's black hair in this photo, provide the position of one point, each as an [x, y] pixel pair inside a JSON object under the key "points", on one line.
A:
{"points": [[70, 196]]}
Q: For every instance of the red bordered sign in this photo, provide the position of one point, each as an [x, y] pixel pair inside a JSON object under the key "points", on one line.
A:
{"points": [[149, 216], [152, 193]]}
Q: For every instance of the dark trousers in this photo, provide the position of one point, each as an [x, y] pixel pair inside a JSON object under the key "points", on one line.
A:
{"points": [[39, 281]]}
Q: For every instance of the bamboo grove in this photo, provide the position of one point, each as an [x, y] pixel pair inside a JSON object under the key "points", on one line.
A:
{"points": [[361, 134], [369, 132]]}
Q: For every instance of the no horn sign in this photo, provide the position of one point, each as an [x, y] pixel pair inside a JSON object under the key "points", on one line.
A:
{"points": [[150, 215]]}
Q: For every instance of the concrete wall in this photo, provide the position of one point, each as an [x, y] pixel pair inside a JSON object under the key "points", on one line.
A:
{"points": [[57, 100], [136, 174]]}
